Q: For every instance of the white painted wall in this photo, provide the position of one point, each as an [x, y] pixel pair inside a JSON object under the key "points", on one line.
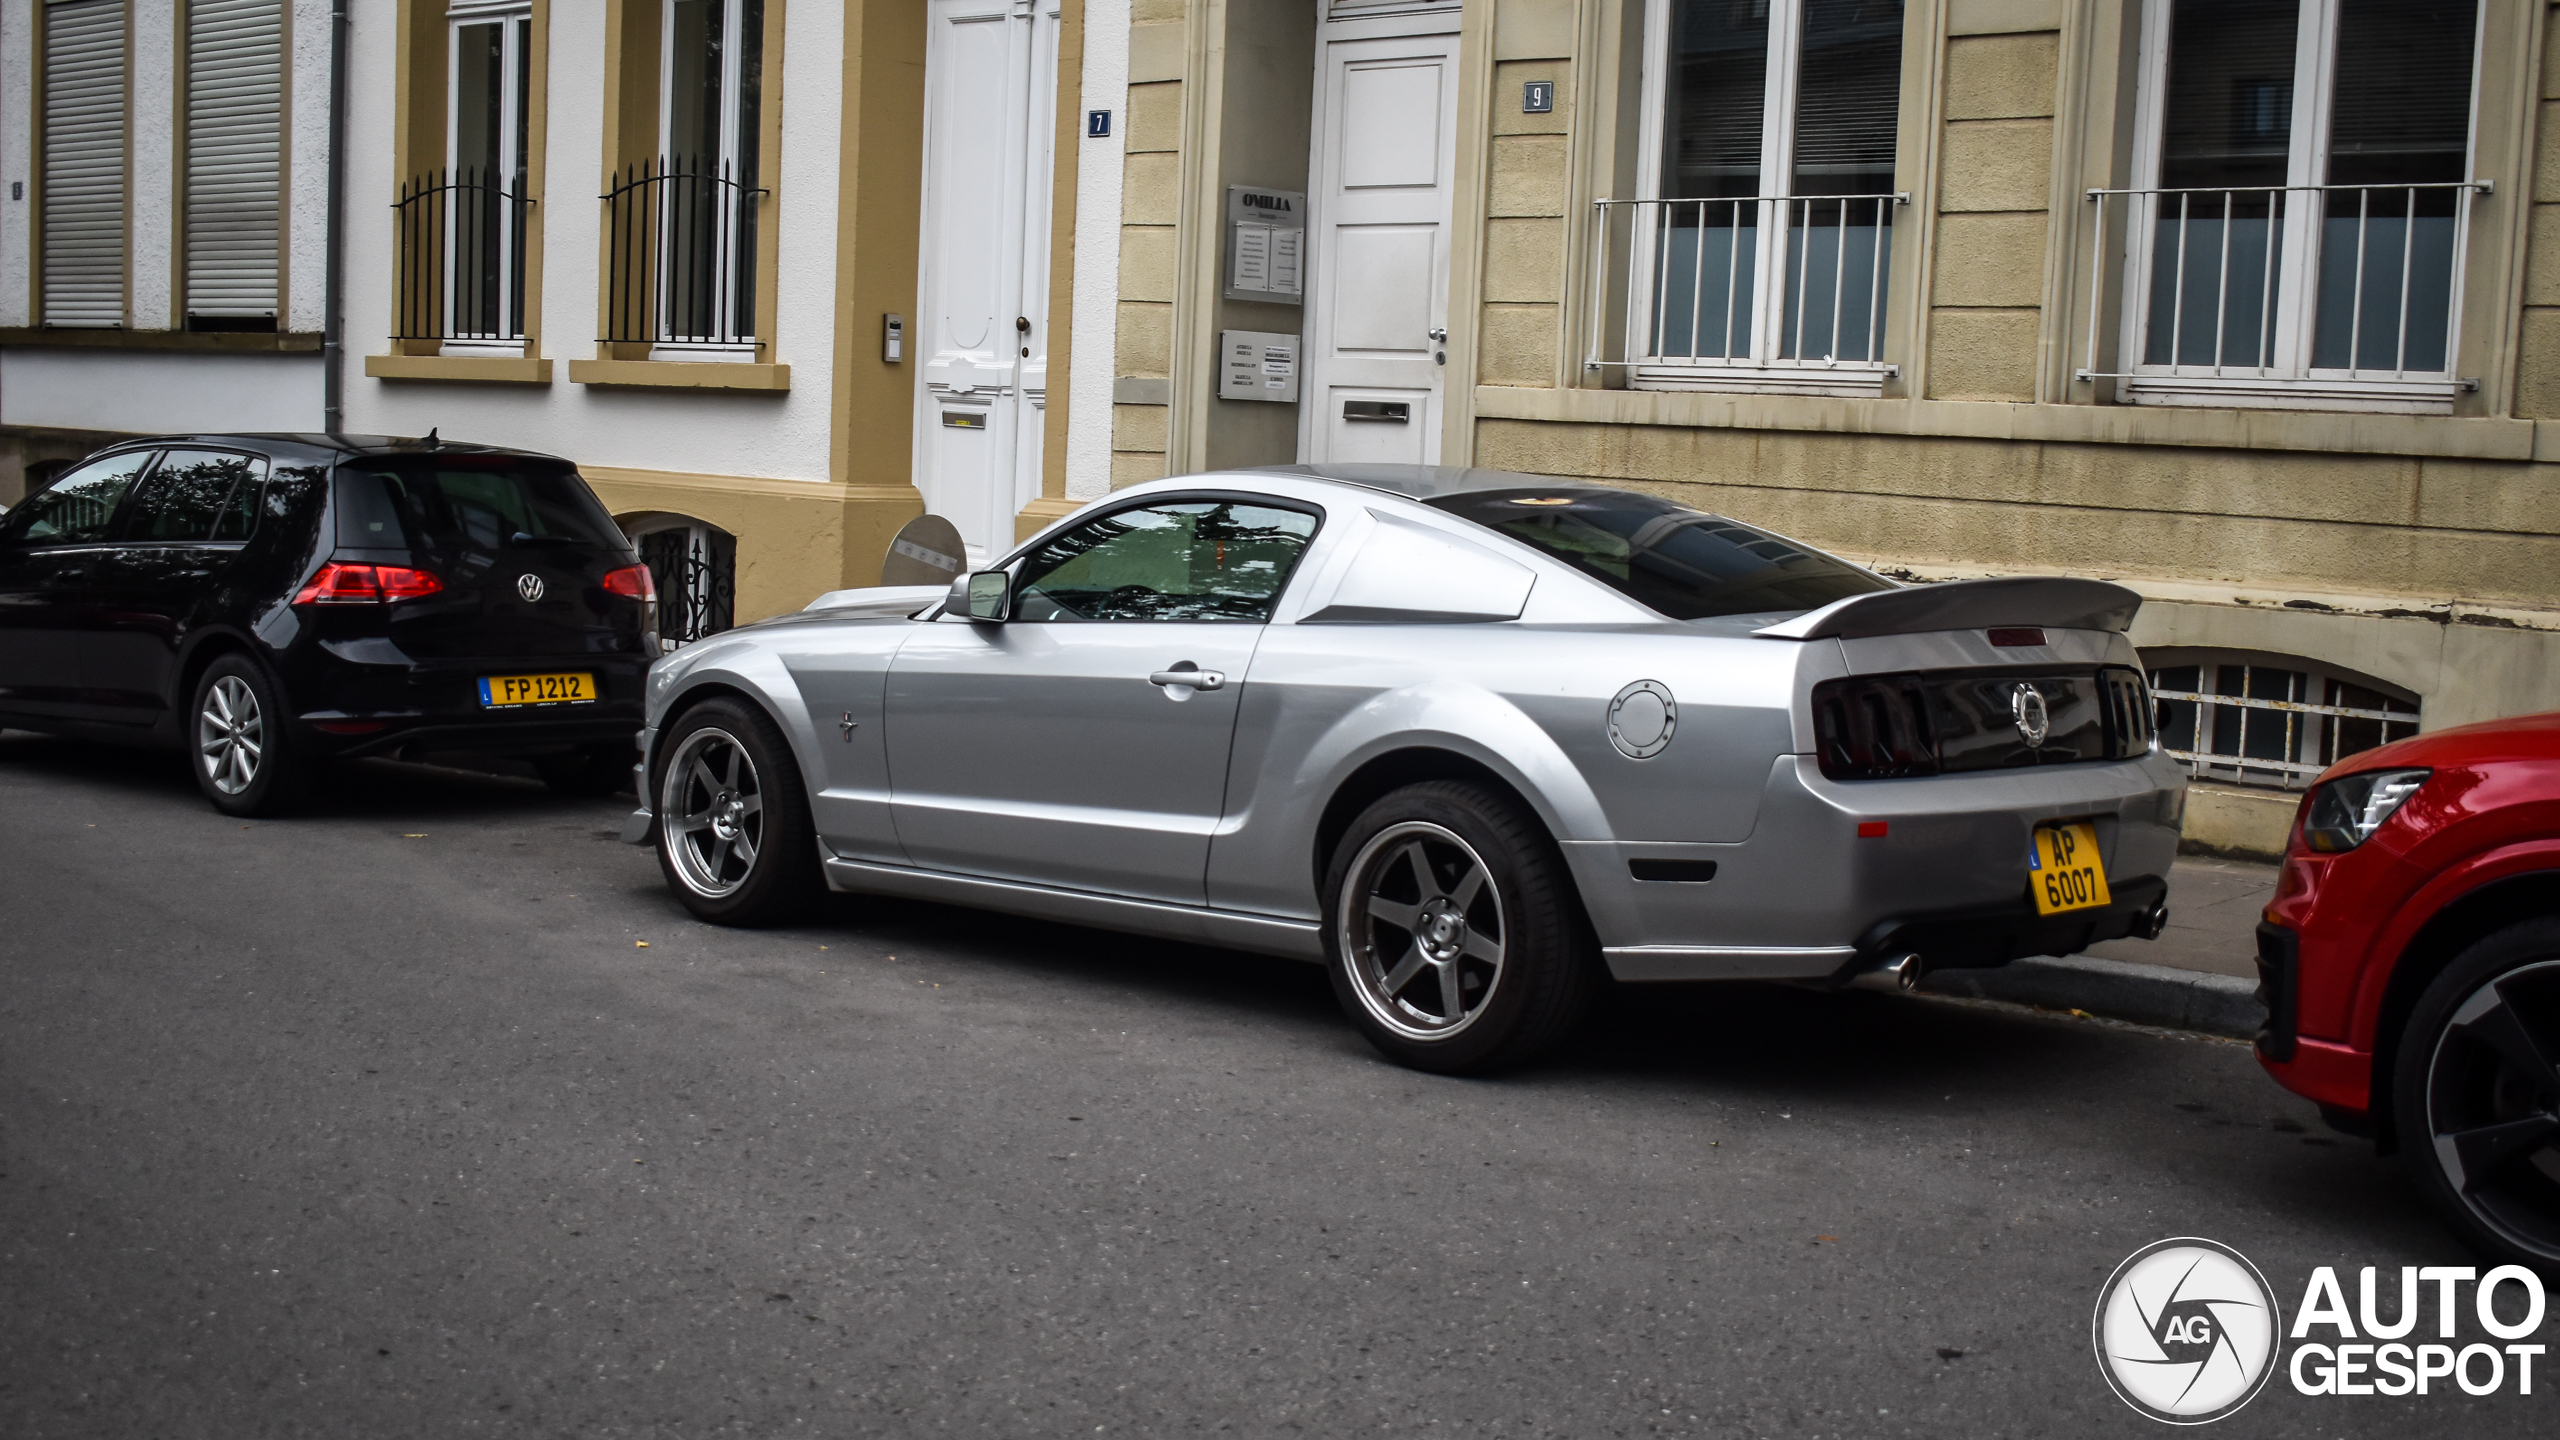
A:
{"points": [[151, 137], [17, 160], [306, 146], [694, 432], [1097, 252], [151, 393]]}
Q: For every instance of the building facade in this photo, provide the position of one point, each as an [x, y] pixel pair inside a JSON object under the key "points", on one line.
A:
{"points": [[2253, 305], [163, 232]]}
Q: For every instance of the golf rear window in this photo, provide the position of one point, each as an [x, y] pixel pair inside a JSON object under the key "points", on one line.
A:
{"points": [[468, 502], [1685, 563]]}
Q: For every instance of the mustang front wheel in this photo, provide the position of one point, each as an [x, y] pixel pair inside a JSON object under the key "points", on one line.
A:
{"points": [[734, 834], [1455, 940], [2478, 1094]]}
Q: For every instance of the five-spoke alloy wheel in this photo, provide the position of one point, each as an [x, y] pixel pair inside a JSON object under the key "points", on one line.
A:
{"points": [[244, 761], [1456, 941], [2478, 1103], [734, 834]]}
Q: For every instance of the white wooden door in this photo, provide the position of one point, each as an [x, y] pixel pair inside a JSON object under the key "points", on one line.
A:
{"points": [[981, 338], [1377, 304]]}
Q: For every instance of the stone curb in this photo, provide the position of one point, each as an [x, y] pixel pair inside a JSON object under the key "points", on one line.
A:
{"points": [[2116, 989]]}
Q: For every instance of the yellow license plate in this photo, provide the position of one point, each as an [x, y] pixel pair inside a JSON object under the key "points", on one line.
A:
{"points": [[498, 690], [2064, 872]]}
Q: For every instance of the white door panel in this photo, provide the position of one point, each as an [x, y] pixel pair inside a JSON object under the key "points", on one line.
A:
{"points": [[981, 342], [1385, 149]]}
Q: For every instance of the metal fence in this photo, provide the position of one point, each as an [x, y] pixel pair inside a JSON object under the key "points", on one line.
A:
{"points": [[461, 240], [2206, 273], [695, 570], [1679, 282], [681, 256]]}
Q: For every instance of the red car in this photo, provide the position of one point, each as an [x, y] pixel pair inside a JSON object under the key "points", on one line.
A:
{"points": [[2411, 967]]}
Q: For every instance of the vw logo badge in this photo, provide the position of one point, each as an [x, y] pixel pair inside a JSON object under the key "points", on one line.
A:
{"points": [[2026, 704], [2186, 1330], [530, 587]]}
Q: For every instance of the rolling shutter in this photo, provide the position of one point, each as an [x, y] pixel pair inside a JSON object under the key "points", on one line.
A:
{"points": [[83, 184], [235, 156]]}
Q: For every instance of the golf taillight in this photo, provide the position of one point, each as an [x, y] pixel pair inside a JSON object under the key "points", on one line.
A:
{"points": [[341, 583], [632, 580]]}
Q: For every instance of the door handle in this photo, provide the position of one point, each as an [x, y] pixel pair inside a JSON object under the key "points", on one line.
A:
{"points": [[1440, 332], [1192, 676]]}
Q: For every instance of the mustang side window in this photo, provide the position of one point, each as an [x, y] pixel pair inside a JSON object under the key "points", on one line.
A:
{"points": [[77, 509], [1190, 560]]}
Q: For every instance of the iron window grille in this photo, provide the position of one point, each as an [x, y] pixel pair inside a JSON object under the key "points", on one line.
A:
{"points": [[2256, 724], [695, 569], [462, 257], [681, 258]]}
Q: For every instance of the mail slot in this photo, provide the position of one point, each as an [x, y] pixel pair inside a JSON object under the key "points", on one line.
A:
{"points": [[1394, 412]]}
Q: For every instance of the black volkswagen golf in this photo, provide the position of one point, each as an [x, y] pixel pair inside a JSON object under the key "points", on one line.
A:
{"points": [[270, 602]]}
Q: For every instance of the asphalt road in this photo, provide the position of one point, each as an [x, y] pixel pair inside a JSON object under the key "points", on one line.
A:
{"points": [[383, 1121]]}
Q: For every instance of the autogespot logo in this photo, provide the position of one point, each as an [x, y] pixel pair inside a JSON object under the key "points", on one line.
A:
{"points": [[2186, 1331]]}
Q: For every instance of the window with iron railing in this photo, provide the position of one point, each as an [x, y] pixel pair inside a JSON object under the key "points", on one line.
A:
{"points": [[1757, 252], [463, 228], [2298, 234], [682, 227], [695, 569], [2267, 720]]}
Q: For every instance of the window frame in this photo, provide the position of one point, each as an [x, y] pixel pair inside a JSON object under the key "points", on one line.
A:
{"points": [[1013, 564], [150, 454], [2296, 384], [516, 144], [736, 203], [1766, 370]]}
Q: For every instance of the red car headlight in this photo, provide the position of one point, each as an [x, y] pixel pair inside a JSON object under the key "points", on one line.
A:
{"points": [[2344, 813]]}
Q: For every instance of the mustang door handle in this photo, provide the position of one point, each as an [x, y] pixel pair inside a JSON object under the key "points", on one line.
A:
{"points": [[1196, 679]]}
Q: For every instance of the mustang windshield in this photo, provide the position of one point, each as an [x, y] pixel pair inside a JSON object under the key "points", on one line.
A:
{"points": [[1686, 563]]}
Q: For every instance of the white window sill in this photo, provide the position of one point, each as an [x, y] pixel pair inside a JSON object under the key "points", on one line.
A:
{"points": [[1855, 381], [2434, 396]]}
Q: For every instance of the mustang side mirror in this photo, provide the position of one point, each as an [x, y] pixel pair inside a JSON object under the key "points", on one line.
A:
{"points": [[986, 596]]}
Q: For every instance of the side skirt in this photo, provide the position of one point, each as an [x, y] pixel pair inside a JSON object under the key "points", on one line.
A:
{"points": [[1263, 934]]}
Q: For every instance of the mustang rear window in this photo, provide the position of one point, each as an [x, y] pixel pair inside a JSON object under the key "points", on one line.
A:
{"points": [[467, 502], [1686, 563]]}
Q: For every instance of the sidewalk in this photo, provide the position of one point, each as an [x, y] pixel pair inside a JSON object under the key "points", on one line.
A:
{"points": [[2201, 974]]}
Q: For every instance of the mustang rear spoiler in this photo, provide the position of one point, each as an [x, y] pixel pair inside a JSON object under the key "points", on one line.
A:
{"points": [[2023, 600]]}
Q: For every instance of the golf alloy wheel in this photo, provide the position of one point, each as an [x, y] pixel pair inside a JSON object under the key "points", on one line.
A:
{"points": [[231, 735], [712, 812], [1422, 931], [2492, 1108]]}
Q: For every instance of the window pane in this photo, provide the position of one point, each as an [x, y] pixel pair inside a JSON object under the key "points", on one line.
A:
{"points": [[461, 503], [1715, 89], [2226, 130], [1203, 560], [1848, 91], [479, 174], [185, 496], [78, 508], [693, 83], [2402, 117], [1685, 563]]}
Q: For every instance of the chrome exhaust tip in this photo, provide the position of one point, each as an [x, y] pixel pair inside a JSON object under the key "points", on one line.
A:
{"points": [[1897, 975]]}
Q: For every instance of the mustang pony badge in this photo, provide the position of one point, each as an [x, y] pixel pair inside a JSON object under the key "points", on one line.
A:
{"points": [[2026, 704]]}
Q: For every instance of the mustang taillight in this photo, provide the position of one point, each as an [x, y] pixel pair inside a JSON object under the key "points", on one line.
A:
{"points": [[342, 583], [632, 580], [1874, 729]]}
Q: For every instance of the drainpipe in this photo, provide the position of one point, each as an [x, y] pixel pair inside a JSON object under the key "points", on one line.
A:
{"points": [[332, 330]]}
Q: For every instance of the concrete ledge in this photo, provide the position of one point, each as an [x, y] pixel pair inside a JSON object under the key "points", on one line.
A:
{"points": [[481, 369], [2116, 989], [189, 342], [2228, 820], [681, 374], [2002, 17]]}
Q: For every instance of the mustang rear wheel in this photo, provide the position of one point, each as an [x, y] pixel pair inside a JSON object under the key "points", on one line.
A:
{"points": [[734, 835], [1455, 938], [2477, 1094]]}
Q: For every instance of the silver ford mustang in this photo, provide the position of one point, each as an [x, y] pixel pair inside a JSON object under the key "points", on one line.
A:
{"points": [[1470, 739]]}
